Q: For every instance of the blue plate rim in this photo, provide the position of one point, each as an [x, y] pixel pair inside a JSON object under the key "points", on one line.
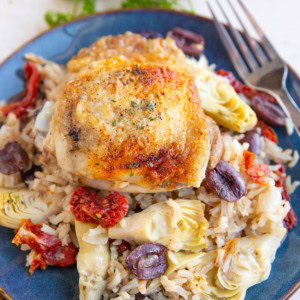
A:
{"points": [[116, 11], [293, 289]]}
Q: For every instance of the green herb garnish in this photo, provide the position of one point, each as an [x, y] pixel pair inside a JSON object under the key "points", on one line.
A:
{"points": [[80, 8], [114, 123], [149, 3], [87, 7], [55, 18], [152, 119], [134, 104], [131, 174], [150, 106], [114, 101], [134, 165]]}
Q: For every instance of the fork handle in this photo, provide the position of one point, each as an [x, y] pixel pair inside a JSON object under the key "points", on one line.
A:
{"points": [[293, 112]]}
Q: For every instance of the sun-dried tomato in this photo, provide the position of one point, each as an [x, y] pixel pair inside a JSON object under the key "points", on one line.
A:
{"points": [[89, 207], [240, 88], [281, 182], [267, 131], [48, 248], [124, 246], [249, 158], [20, 107], [37, 262], [255, 171], [291, 219], [282, 168]]}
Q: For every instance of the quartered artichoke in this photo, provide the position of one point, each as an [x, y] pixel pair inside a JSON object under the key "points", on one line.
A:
{"points": [[176, 224], [221, 102], [18, 204], [244, 262], [92, 263]]}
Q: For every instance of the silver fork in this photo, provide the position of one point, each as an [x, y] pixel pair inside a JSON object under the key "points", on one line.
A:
{"points": [[263, 72]]}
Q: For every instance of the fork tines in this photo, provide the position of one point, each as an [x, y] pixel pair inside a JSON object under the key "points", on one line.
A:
{"points": [[245, 52]]}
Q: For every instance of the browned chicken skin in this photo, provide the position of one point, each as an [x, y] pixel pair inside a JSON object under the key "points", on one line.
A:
{"points": [[132, 46], [130, 119]]}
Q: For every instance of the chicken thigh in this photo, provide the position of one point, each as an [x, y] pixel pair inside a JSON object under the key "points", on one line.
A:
{"points": [[133, 126]]}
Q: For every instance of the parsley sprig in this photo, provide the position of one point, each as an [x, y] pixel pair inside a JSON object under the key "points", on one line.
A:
{"points": [[149, 3], [87, 7], [80, 8]]}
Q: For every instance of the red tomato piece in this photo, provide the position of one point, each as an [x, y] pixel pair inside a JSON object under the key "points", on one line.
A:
{"points": [[270, 134], [291, 219], [281, 182], [258, 171], [87, 206], [255, 171], [282, 169], [33, 78], [267, 131], [124, 246], [48, 248], [240, 88], [37, 262], [249, 158]]}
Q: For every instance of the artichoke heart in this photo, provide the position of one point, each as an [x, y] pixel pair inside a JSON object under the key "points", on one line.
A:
{"points": [[18, 204], [228, 272], [176, 224], [221, 102], [92, 263]]}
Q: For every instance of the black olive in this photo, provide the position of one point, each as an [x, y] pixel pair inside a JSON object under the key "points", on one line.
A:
{"points": [[148, 261], [268, 112], [253, 139], [13, 159], [190, 43], [226, 182]]}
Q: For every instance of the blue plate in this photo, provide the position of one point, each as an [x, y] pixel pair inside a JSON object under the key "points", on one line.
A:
{"points": [[59, 45]]}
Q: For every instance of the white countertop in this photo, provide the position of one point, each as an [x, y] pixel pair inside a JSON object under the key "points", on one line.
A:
{"points": [[20, 20]]}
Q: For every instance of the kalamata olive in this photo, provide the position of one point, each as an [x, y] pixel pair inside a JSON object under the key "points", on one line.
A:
{"points": [[151, 35], [13, 158], [268, 112], [188, 35], [253, 139], [190, 43], [225, 181], [148, 261]]}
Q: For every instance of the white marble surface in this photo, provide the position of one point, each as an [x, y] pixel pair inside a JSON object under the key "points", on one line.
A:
{"points": [[21, 20]]}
